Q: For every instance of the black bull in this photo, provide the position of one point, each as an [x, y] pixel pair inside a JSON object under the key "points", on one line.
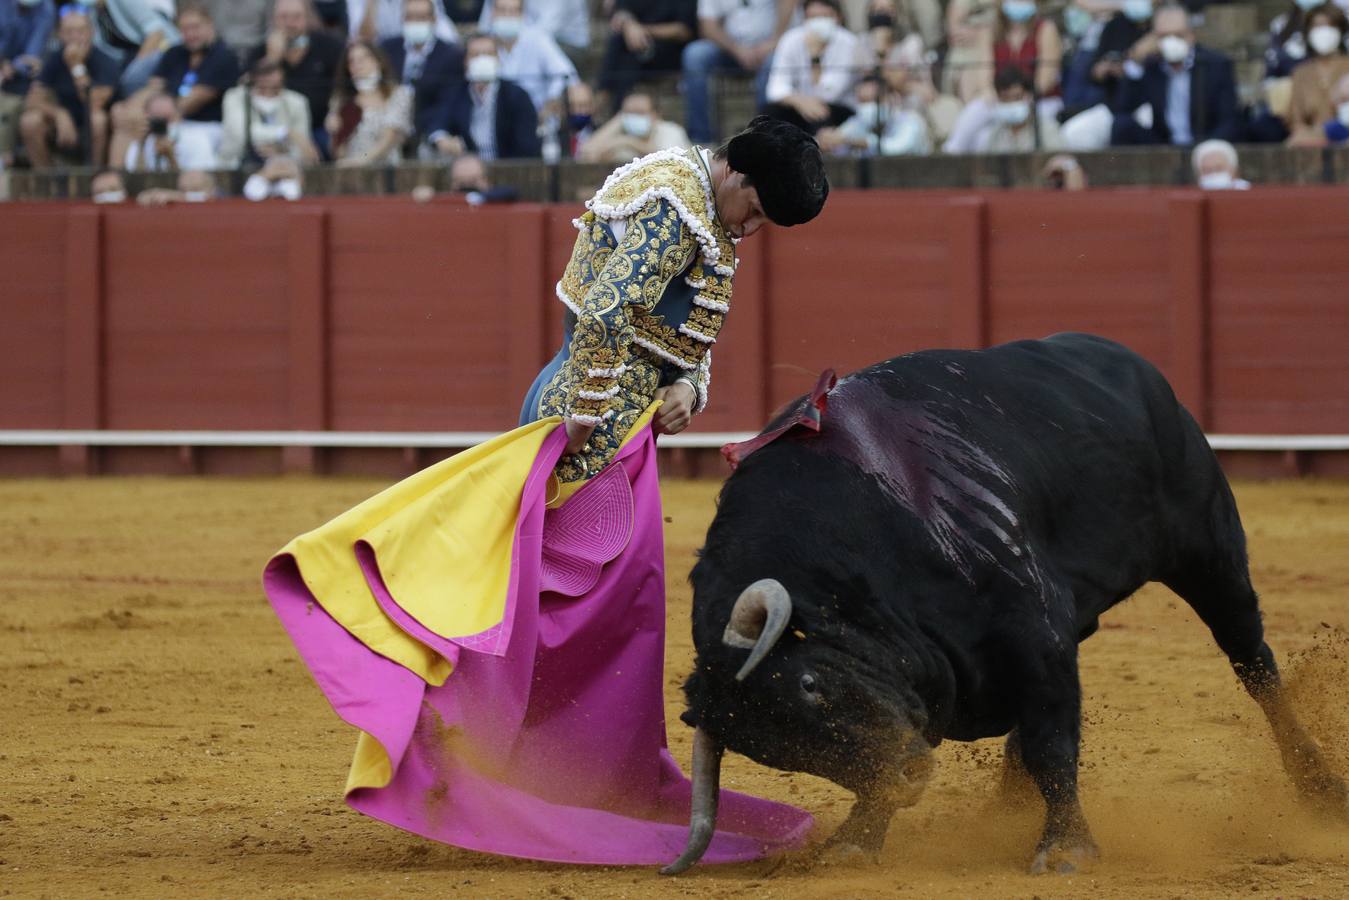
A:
{"points": [[924, 566]]}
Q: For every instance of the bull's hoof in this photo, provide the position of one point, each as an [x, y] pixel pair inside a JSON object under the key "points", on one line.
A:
{"points": [[1065, 858], [844, 853]]}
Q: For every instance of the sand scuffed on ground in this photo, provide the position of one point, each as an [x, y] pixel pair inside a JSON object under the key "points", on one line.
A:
{"points": [[161, 736]]}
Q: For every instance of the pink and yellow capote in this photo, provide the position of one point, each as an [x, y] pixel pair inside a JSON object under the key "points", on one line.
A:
{"points": [[501, 648]]}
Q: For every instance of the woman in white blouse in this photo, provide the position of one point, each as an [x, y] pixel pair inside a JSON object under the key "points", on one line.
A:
{"points": [[370, 115]]}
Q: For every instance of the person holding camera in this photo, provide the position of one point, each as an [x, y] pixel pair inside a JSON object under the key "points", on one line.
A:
{"points": [[67, 104], [263, 120], [167, 145]]}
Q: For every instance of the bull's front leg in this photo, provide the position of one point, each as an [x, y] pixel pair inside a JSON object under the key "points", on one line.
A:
{"points": [[862, 834], [1049, 726]]}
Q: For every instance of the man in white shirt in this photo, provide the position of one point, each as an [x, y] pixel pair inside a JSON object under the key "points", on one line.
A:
{"points": [[172, 145], [815, 67], [379, 20], [529, 55], [637, 130], [566, 21], [736, 36]]}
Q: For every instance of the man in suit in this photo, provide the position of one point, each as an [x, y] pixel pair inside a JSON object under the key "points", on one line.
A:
{"points": [[1174, 91], [485, 114], [431, 67]]}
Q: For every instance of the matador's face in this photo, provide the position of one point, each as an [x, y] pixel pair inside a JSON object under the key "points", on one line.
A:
{"points": [[738, 206]]}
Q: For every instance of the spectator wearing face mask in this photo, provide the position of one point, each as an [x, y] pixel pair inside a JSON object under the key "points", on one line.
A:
{"points": [[815, 68], [909, 85], [647, 37], [530, 57], [1311, 105], [429, 66], [580, 116], [25, 27], [168, 146], [1083, 30], [376, 21], [882, 125], [1017, 128], [485, 115], [108, 188], [1215, 167], [736, 36], [67, 103], [565, 21], [195, 73], [279, 179], [1175, 91], [309, 58], [637, 130], [1026, 40], [887, 22], [263, 120], [371, 113]]}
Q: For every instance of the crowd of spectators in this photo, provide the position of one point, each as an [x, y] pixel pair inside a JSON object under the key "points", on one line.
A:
{"points": [[267, 87]]}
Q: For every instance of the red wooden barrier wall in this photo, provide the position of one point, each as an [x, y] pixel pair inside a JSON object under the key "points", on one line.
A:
{"points": [[379, 314]]}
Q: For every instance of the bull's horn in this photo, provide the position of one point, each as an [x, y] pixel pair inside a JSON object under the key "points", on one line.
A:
{"points": [[706, 790], [758, 619]]}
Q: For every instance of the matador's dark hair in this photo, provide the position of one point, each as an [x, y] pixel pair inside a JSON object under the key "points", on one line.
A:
{"points": [[784, 164]]}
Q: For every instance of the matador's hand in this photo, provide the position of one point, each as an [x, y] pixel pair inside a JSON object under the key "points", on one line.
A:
{"points": [[577, 435], [676, 409]]}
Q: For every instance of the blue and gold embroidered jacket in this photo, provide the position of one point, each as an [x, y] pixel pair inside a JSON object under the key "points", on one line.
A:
{"points": [[648, 307]]}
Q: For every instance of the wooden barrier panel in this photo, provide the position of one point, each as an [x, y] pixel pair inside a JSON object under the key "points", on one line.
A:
{"points": [[378, 314]]}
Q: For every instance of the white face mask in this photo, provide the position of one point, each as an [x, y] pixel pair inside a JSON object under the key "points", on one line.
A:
{"points": [[266, 105], [821, 27], [368, 83], [482, 68], [637, 124], [1137, 10], [508, 29], [1216, 181], [1015, 112], [1174, 48], [1325, 39], [417, 33], [109, 196], [1342, 113]]}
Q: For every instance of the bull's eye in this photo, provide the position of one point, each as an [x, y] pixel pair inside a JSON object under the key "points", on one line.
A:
{"points": [[808, 683]]}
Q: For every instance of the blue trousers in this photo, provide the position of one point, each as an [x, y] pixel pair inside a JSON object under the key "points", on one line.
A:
{"points": [[700, 60]]}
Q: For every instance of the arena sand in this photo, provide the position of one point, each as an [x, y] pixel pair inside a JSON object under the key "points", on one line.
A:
{"points": [[160, 738]]}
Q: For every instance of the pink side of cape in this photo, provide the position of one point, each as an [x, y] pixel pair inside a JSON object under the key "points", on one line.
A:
{"points": [[553, 747]]}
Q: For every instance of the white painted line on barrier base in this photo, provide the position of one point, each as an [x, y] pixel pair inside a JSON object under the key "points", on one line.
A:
{"points": [[460, 439]]}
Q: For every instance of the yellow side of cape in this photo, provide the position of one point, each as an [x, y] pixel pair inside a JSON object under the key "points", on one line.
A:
{"points": [[488, 567], [443, 538]]}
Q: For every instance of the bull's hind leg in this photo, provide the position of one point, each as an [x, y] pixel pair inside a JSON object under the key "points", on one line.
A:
{"points": [[1223, 597]]}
